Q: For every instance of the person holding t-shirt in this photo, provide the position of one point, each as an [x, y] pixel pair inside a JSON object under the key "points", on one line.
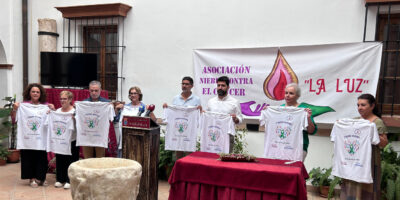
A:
{"points": [[131, 109], [225, 104], [95, 91], [367, 107], [185, 98], [292, 94], [33, 157], [64, 161]]}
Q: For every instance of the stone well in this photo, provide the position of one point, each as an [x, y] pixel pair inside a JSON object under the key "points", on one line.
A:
{"points": [[105, 178]]}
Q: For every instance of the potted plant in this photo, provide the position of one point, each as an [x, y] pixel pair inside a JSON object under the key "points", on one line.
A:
{"points": [[240, 145], [4, 131], [8, 129], [3, 155], [390, 173], [166, 161], [323, 179]]}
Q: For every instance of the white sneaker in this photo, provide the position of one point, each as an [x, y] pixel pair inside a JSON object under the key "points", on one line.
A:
{"points": [[67, 186], [58, 184]]}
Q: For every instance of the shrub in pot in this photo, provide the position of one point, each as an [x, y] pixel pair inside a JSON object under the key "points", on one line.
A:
{"points": [[323, 179], [8, 129], [3, 155]]}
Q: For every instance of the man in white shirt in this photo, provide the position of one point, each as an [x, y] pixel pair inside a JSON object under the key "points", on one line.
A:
{"points": [[225, 103]]}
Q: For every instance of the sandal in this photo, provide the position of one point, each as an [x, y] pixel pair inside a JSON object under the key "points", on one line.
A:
{"points": [[33, 183]]}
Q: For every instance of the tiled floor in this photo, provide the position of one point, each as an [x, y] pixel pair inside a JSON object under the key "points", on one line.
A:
{"points": [[13, 188]]}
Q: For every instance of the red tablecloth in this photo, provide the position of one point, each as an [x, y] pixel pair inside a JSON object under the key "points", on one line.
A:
{"points": [[201, 176], [53, 97]]}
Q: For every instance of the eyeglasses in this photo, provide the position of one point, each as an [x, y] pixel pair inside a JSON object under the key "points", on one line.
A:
{"points": [[135, 93], [186, 84]]}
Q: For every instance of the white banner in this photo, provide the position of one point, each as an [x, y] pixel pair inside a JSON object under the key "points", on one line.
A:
{"points": [[331, 77]]}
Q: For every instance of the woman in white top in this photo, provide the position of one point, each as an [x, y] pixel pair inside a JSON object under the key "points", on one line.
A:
{"points": [[368, 109], [134, 108], [34, 162], [292, 94], [63, 161]]}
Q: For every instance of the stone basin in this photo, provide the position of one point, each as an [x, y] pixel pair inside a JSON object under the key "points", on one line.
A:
{"points": [[105, 178]]}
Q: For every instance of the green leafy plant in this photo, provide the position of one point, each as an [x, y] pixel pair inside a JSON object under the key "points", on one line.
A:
{"points": [[166, 160], [322, 177], [390, 174], [240, 145], [7, 129], [4, 153], [5, 123]]}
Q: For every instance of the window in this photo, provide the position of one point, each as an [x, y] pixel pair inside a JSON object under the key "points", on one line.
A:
{"points": [[98, 28], [388, 94], [104, 41], [382, 17]]}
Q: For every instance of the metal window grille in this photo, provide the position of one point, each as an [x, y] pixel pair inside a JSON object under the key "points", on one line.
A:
{"points": [[104, 36], [387, 30]]}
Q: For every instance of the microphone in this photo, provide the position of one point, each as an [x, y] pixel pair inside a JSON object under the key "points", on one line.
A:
{"points": [[141, 110], [149, 110]]}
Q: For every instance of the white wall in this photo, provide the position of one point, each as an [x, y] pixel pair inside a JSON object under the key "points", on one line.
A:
{"points": [[11, 39], [160, 35]]}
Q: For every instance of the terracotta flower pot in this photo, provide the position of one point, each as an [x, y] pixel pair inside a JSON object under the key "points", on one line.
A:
{"points": [[14, 156], [323, 191], [2, 162]]}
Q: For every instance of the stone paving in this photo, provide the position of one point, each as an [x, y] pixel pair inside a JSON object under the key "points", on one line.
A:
{"points": [[13, 188]]}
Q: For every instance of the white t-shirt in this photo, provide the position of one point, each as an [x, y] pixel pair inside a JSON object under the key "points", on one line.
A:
{"points": [[182, 123], [60, 130], [128, 110], [93, 123], [31, 131], [284, 132], [215, 130], [352, 149], [72, 111]]}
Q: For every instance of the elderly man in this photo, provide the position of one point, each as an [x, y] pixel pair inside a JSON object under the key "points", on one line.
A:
{"points": [[95, 90], [225, 103]]}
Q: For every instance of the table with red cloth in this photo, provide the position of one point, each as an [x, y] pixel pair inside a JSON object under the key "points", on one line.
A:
{"points": [[201, 175], [53, 97]]}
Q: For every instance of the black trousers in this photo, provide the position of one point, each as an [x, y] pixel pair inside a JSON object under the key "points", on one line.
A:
{"points": [[33, 164], [63, 162]]}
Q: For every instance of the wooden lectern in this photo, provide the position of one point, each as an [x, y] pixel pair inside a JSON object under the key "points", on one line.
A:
{"points": [[141, 142]]}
